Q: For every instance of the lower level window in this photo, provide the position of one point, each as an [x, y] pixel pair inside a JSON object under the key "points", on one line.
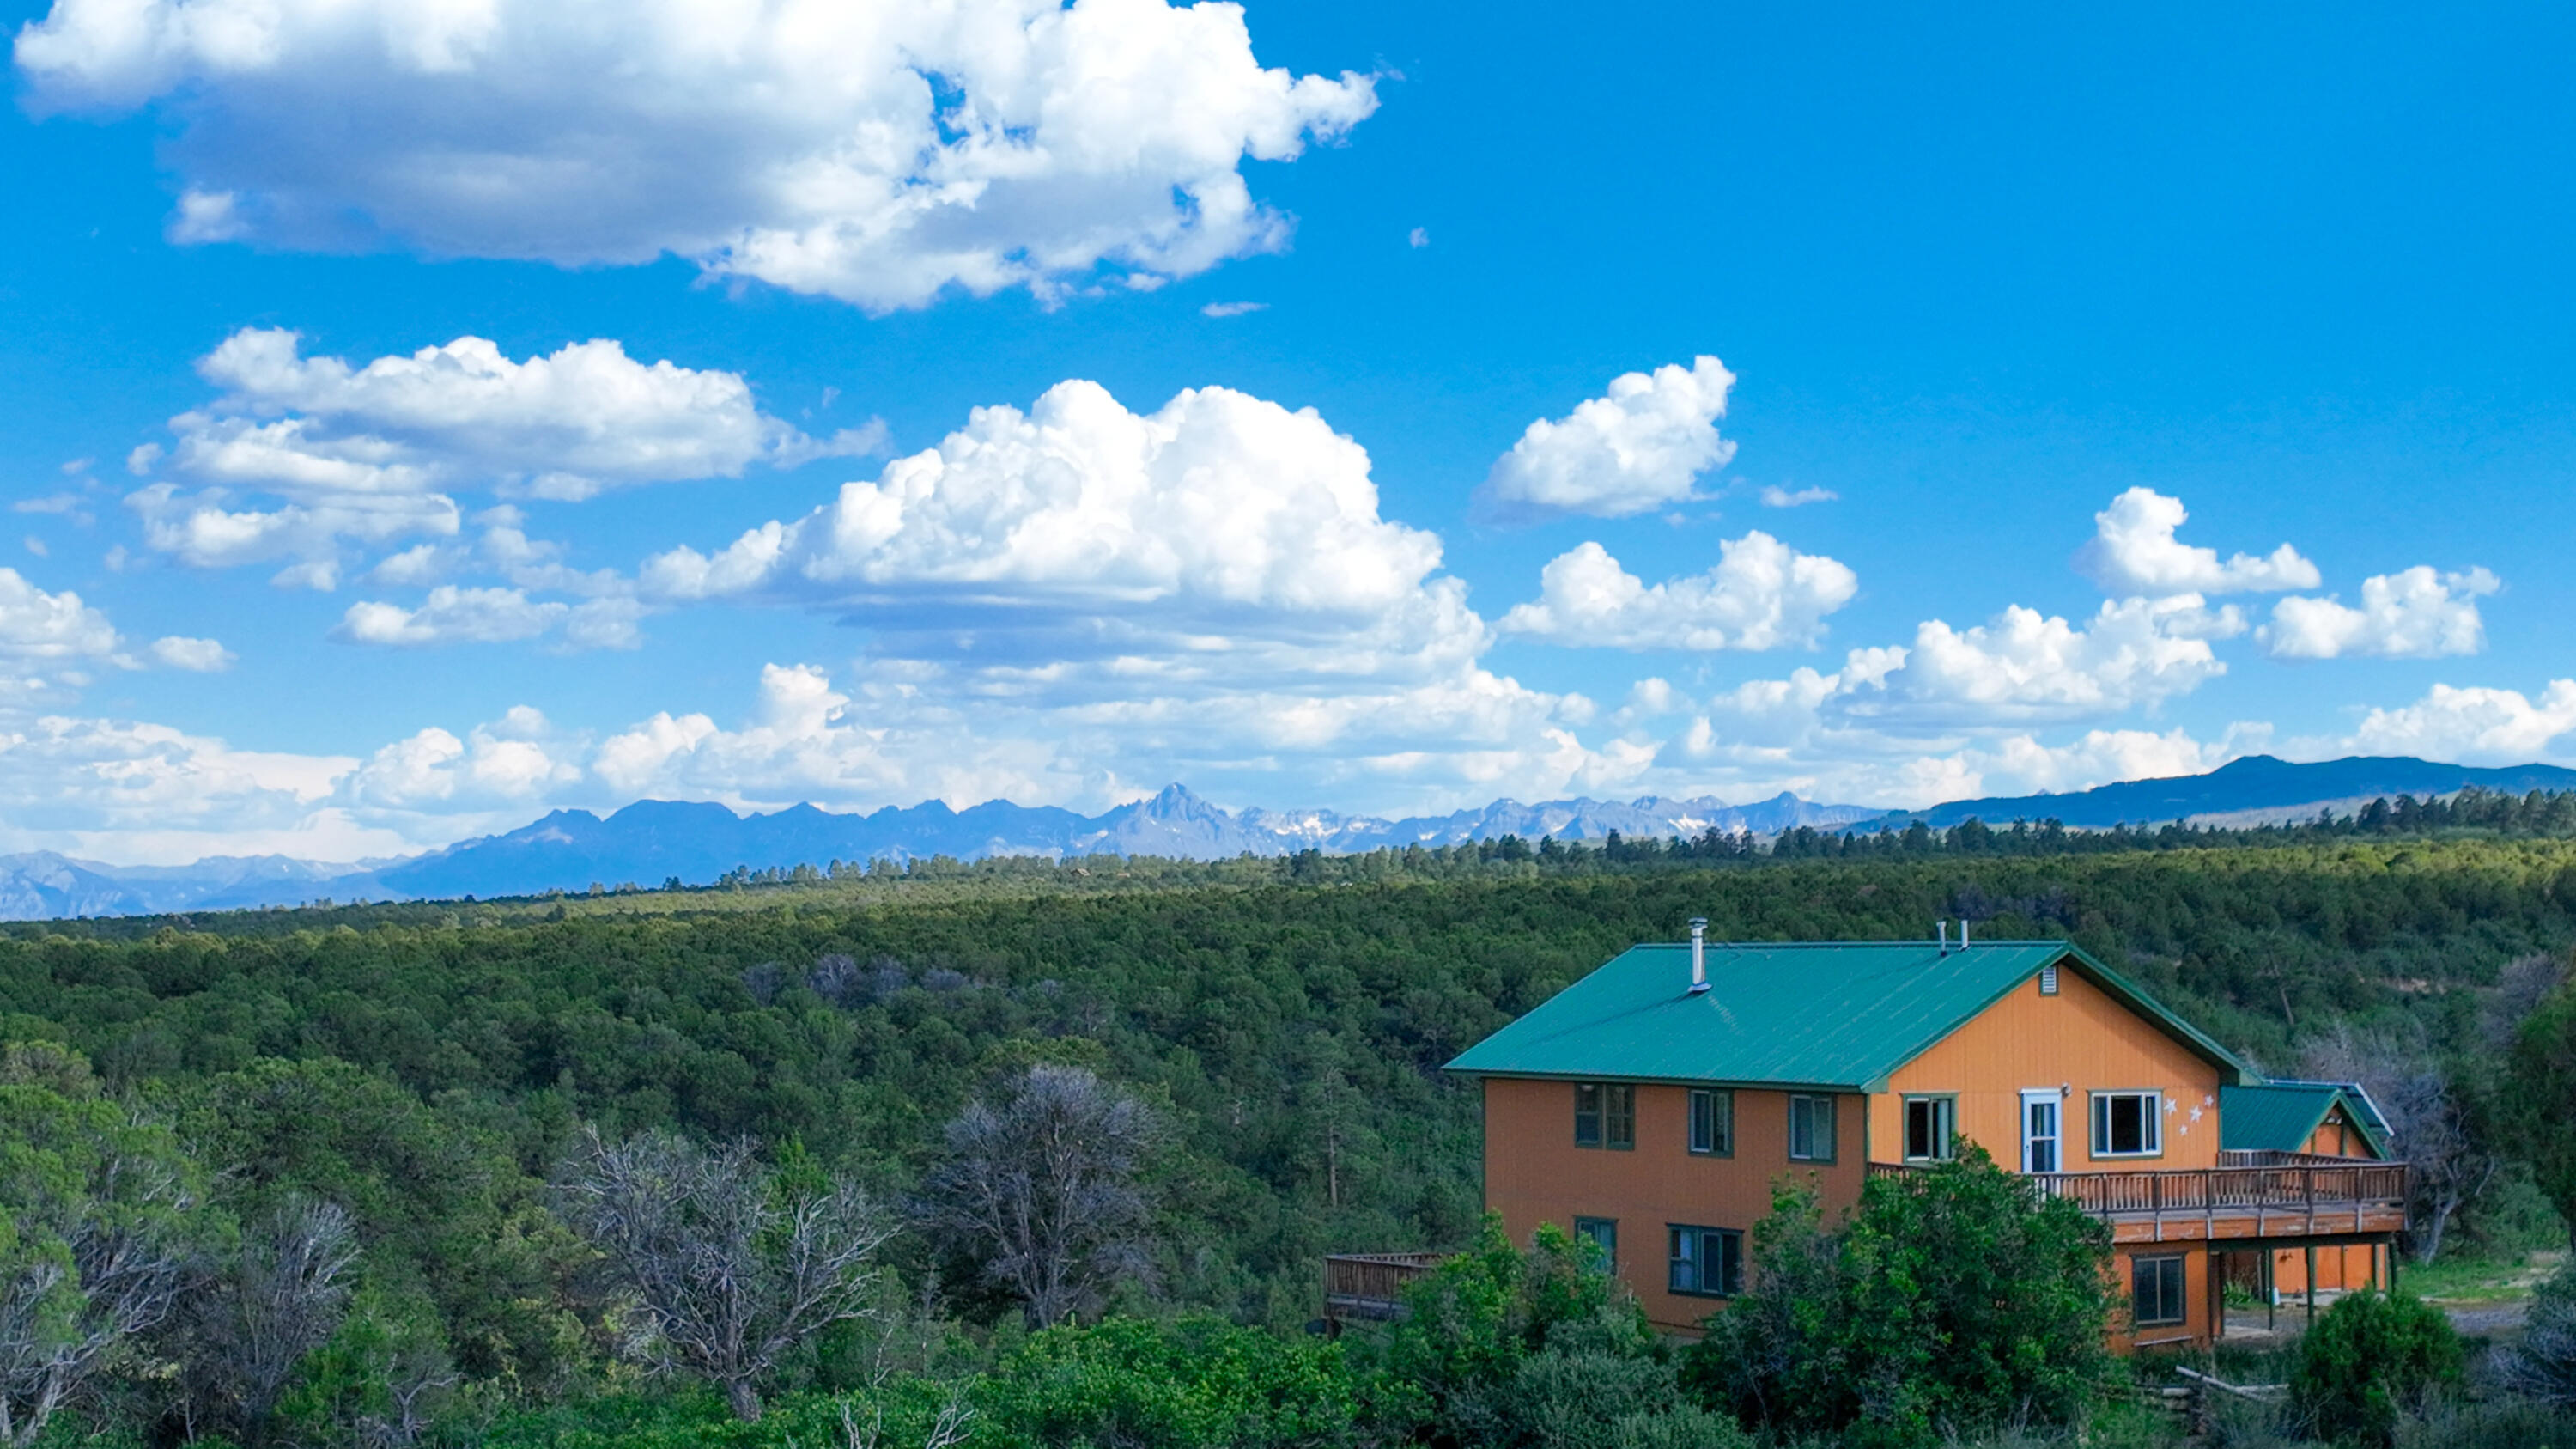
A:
{"points": [[1601, 1233], [1707, 1261], [2155, 1287]]}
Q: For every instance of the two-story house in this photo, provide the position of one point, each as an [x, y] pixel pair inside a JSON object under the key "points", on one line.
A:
{"points": [[1650, 1106]]}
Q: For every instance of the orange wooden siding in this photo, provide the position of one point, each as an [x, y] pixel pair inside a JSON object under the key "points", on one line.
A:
{"points": [[2196, 1323], [2336, 1136], [2081, 1039], [1535, 1174], [2340, 1267]]}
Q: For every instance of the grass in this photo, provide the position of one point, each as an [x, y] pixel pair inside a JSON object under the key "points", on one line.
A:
{"points": [[2483, 1279]]}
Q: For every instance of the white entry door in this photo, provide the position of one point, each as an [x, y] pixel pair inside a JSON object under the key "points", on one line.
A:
{"points": [[2039, 1131]]}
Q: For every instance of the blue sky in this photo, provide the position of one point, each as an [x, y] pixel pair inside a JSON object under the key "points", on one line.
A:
{"points": [[1360, 451]]}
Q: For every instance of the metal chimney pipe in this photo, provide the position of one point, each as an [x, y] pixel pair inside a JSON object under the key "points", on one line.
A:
{"points": [[1943, 926], [1699, 954], [1963, 933]]}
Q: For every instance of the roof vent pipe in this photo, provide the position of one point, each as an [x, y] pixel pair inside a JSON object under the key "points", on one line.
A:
{"points": [[1963, 933], [1944, 927], [1699, 954]]}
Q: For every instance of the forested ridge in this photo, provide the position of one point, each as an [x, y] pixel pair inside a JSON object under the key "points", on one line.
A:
{"points": [[428, 1068]]}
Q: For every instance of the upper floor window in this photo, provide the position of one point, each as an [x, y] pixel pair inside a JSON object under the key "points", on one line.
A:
{"points": [[1605, 1115], [1929, 1122], [1811, 1128], [2128, 1124], [1712, 1122]]}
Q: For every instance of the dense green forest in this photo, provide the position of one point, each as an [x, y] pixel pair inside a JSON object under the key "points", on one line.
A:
{"points": [[428, 1068]]}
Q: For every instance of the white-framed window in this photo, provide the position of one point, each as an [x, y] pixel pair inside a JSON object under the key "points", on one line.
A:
{"points": [[1712, 1122], [1705, 1262], [2155, 1291], [1930, 1123], [2128, 1124], [1811, 1128]]}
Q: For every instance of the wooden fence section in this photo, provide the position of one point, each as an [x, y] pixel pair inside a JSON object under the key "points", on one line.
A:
{"points": [[1371, 1285]]}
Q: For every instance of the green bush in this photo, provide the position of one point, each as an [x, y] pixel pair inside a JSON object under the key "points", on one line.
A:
{"points": [[1951, 1302], [2371, 1359], [1193, 1384], [1501, 1347], [1679, 1427]]}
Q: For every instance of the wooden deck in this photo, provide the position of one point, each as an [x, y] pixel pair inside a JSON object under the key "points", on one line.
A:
{"points": [[1371, 1285], [2286, 1197]]}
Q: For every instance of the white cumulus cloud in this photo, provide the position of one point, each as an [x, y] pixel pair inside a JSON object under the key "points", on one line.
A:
{"points": [[41, 626], [451, 615], [200, 656], [2472, 725], [1761, 595], [1639, 448], [322, 451], [1775, 496], [2134, 551], [458, 615], [878, 153], [2413, 614], [2028, 666], [1203, 537]]}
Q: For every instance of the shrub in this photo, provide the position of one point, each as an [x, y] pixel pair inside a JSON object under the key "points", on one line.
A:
{"points": [[2370, 1359], [2544, 1366], [1193, 1384], [2504, 1424], [1952, 1302], [1679, 1427], [1501, 1347]]}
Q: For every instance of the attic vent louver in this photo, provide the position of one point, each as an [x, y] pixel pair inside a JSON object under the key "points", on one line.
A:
{"points": [[2048, 979]]}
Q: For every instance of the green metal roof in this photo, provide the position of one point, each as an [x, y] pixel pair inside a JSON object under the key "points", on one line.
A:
{"points": [[1840, 1014], [2283, 1116]]}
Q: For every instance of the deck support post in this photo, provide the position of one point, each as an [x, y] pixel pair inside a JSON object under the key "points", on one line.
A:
{"points": [[2312, 1285], [2271, 1290], [2217, 1295], [2392, 1262]]}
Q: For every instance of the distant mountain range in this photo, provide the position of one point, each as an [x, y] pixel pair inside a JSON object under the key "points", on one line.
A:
{"points": [[2257, 789], [652, 841]]}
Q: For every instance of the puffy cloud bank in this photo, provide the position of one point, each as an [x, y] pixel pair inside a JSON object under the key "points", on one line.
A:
{"points": [[879, 153], [2413, 614], [1639, 448], [53, 631], [372, 453], [1763, 594], [2134, 551], [1220, 535]]}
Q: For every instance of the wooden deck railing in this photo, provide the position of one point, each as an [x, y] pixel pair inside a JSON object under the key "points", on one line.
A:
{"points": [[1371, 1285], [2325, 1194], [2268, 1157]]}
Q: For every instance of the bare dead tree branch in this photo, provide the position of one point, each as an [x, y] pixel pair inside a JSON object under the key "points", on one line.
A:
{"points": [[88, 1266], [2432, 1122], [257, 1316], [1041, 1187], [730, 1266]]}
